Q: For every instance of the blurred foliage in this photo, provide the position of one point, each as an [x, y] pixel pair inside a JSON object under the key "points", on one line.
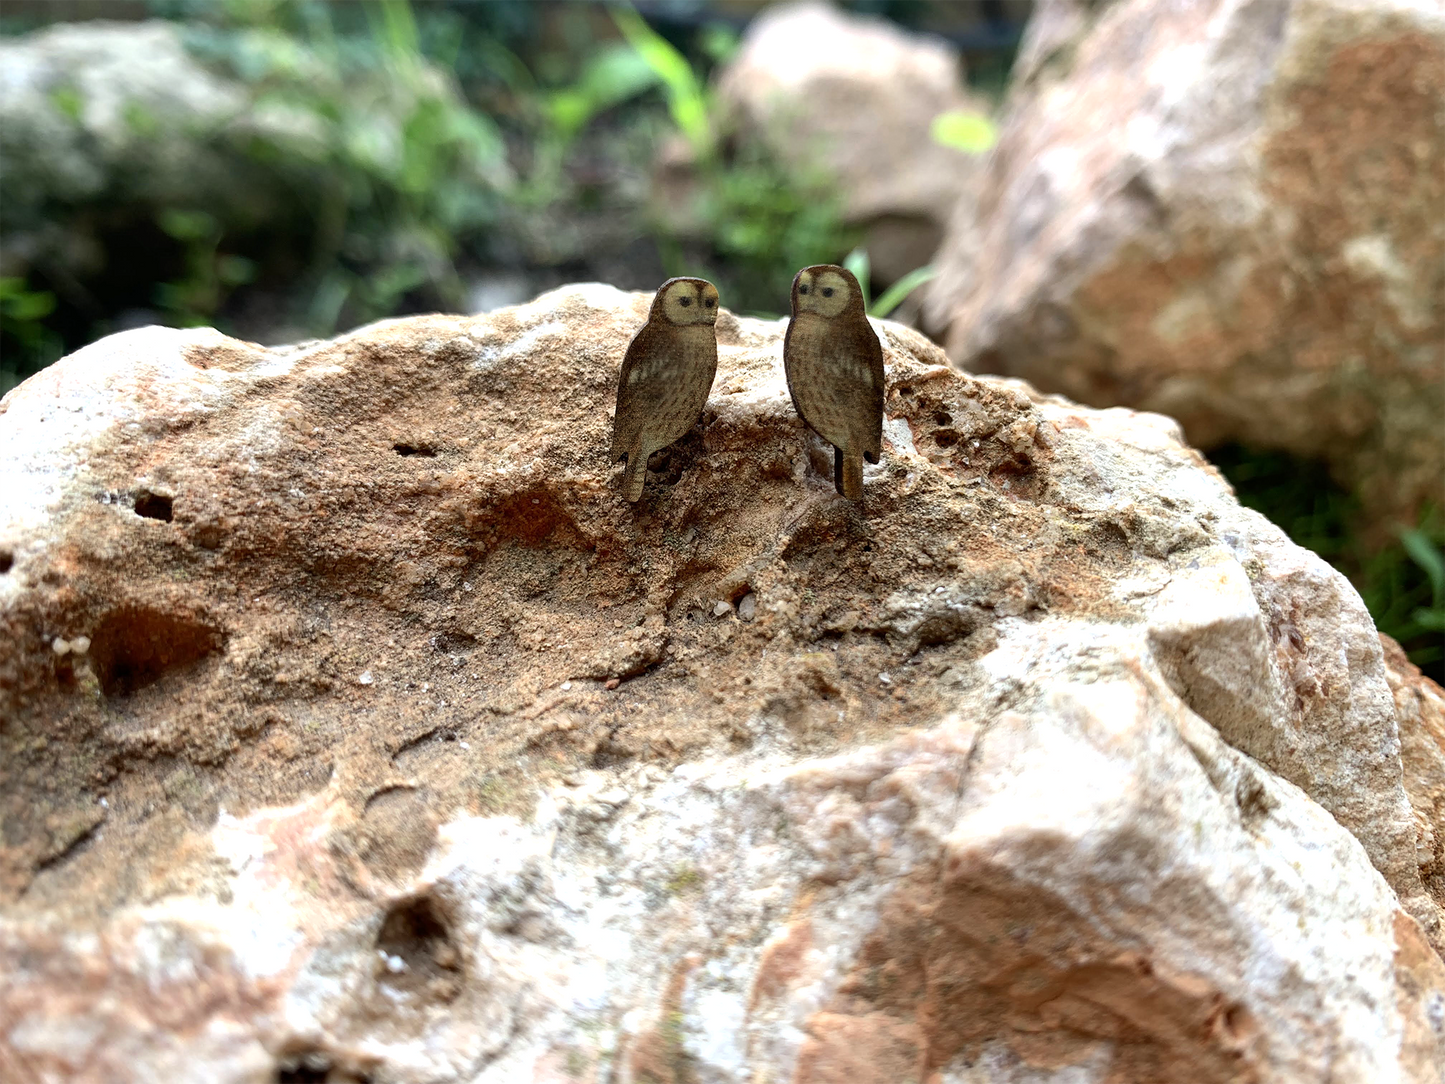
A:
{"points": [[26, 344], [759, 223], [209, 274], [1402, 583], [857, 262], [407, 171], [741, 218], [687, 98]]}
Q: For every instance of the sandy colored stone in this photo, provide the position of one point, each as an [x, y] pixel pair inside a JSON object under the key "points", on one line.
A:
{"points": [[1135, 800], [1228, 212]]}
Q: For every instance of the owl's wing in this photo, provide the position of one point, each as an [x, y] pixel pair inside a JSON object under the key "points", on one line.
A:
{"points": [[627, 422], [791, 363]]}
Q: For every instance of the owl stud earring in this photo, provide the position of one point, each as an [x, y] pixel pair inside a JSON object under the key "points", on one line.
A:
{"points": [[834, 365], [666, 375]]}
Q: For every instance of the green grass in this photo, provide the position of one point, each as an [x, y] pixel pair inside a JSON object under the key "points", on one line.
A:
{"points": [[1402, 582]]}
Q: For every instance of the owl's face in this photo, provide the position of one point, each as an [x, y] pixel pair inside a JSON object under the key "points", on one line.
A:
{"points": [[689, 301], [826, 290]]}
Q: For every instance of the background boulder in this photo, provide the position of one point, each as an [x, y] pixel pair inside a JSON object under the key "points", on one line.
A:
{"points": [[352, 725], [854, 99], [148, 170], [1228, 212]]}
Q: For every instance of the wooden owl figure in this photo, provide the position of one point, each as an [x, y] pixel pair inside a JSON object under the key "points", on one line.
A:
{"points": [[666, 375], [834, 364]]}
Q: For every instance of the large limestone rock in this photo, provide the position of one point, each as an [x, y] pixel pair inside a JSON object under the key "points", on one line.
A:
{"points": [[353, 727], [1228, 211], [855, 98]]}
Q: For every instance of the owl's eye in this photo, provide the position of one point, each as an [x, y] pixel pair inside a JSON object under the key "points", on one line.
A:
{"points": [[684, 301], [827, 291], [802, 289], [710, 303]]}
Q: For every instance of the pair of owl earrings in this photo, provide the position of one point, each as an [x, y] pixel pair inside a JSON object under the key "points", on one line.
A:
{"points": [[832, 357]]}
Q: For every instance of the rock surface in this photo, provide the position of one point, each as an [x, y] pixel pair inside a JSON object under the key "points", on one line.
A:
{"points": [[857, 97], [1420, 710], [353, 727], [1229, 212]]}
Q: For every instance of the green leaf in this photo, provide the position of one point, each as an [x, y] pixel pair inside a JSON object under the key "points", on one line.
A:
{"points": [[719, 42], [892, 297], [971, 133], [1431, 620], [30, 306], [1425, 554], [686, 100], [333, 292], [857, 262], [611, 77], [68, 101], [187, 225], [398, 32], [235, 270], [140, 120]]}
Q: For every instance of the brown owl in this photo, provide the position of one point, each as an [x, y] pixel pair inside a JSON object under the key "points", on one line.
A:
{"points": [[666, 375], [834, 364]]}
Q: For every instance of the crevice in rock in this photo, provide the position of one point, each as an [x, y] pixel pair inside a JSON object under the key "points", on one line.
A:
{"points": [[313, 1067], [71, 849], [136, 646]]}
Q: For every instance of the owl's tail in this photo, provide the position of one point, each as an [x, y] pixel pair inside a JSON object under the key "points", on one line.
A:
{"points": [[635, 474], [848, 474]]}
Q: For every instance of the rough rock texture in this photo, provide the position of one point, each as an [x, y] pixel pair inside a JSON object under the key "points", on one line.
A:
{"points": [[1420, 711], [1228, 211], [857, 97], [352, 726]]}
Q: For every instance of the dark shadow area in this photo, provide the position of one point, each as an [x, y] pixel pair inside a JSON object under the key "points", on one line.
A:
{"points": [[1400, 581]]}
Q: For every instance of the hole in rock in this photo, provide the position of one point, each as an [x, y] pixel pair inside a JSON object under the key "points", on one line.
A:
{"points": [[945, 438], [417, 940], [451, 643], [943, 417], [415, 449], [302, 1073], [7, 561], [314, 1068], [134, 647], [530, 516], [153, 505]]}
